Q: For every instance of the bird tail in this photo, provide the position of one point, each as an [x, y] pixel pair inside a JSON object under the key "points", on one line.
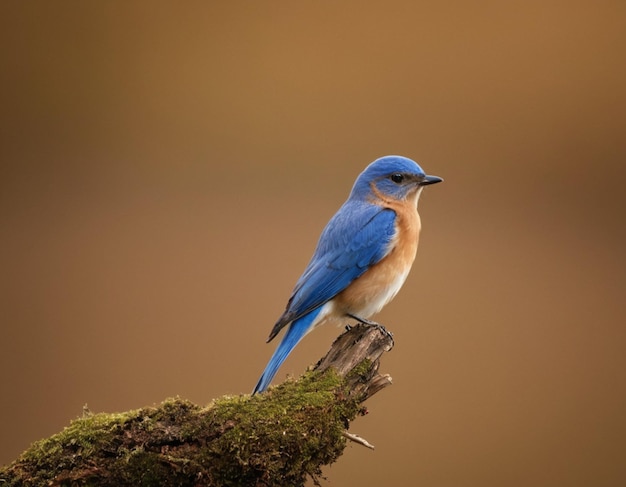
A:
{"points": [[296, 331]]}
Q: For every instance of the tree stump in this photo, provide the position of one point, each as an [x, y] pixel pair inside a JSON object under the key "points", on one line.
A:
{"points": [[277, 438]]}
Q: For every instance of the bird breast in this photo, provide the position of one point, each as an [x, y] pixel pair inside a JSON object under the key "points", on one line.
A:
{"points": [[370, 292]]}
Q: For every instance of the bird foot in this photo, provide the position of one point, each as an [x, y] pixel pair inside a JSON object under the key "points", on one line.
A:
{"points": [[380, 327]]}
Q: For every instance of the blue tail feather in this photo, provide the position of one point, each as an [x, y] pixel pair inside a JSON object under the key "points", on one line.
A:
{"points": [[294, 334]]}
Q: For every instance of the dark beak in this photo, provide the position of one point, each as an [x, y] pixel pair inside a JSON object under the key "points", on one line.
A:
{"points": [[430, 180]]}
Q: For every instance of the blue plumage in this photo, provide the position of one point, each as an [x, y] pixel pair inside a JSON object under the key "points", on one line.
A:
{"points": [[355, 238], [361, 234], [294, 334]]}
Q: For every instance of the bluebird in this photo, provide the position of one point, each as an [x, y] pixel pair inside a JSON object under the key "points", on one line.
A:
{"points": [[362, 257]]}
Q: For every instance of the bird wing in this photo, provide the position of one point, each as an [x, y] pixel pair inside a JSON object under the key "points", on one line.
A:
{"points": [[356, 238]]}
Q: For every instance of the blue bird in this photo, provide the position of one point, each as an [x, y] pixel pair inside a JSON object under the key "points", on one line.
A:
{"points": [[362, 258]]}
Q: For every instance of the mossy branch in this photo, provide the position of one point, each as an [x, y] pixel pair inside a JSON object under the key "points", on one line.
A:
{"points": [[277, 438]]}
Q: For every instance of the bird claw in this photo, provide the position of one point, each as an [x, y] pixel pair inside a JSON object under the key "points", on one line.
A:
{"points": [[378, 326]]}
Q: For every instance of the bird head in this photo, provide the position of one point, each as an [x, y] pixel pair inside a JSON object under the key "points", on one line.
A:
{"points": [[393, 177]]}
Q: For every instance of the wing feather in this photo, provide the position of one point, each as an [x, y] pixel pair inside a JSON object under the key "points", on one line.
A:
{"points": [[356, 238]]}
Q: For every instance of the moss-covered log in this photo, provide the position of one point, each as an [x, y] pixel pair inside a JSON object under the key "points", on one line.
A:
{"points": [[277, 438]]}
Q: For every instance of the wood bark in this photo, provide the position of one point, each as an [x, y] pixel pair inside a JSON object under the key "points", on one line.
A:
{"points": [[277, 438]]}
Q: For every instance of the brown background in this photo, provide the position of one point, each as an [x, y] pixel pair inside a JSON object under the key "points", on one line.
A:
{"points": [[167, 169]]}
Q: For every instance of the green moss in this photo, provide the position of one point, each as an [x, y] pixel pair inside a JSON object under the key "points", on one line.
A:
{"points": [[280, 437], [298, 423], [81, 439]]}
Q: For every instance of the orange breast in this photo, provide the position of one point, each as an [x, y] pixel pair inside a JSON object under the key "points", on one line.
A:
{"points": [[369, 293]]}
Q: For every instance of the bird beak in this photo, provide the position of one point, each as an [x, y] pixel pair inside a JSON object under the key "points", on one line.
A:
{"points": [[430, 180]]}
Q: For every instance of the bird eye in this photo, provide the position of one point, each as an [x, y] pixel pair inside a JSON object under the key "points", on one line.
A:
{"points": [[397, 178]]}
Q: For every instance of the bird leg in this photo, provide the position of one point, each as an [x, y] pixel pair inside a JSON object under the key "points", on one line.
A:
{"points": [[367, 322]]}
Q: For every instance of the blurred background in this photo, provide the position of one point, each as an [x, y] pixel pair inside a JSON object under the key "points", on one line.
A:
{"points": [[167, 169]]}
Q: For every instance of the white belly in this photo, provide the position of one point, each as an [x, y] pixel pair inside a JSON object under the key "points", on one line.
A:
{"points": [[379, 300], [370, 292]]}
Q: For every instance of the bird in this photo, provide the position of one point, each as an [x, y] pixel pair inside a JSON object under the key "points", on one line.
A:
{"points": [[362, 258]]}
